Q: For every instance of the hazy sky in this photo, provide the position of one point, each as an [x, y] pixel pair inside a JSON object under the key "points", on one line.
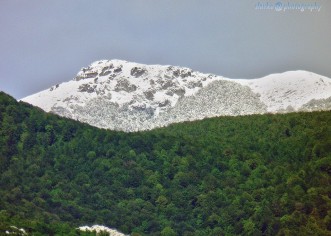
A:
{"points": [[44, 42]]}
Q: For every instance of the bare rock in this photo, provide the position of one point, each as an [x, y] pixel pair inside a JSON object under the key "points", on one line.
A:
{"points": [[167, 84], [124, 85], [194, 84], [118, 69], [179, 91], [185, 73], [106, 70], [164, 103], [149, 94], [90, 75], [86, 88], [137, 71]]}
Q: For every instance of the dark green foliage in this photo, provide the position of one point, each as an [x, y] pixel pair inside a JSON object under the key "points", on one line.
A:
{"points": [[252, 175]]}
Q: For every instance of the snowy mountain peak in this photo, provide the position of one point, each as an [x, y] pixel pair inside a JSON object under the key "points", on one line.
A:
{"points": [[129, 96]]}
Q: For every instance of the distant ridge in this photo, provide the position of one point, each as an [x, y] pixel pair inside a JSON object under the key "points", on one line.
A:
{"points": [[128, 96]]}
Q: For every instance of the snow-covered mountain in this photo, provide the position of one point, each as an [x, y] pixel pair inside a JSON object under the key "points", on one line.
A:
{"points": [[121, 95]]}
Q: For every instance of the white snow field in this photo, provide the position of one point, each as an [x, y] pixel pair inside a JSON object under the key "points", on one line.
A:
{"points": [[127, 96]]}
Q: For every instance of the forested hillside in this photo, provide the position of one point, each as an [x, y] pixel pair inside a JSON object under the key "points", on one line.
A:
{"points": [[250, 175]]}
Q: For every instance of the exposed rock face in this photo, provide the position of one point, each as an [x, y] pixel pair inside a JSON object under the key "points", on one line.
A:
{"points": [[118, 69], [124, 85], [137, 72], [106, 70], [127, 96], [149, 94], [87, 88]]}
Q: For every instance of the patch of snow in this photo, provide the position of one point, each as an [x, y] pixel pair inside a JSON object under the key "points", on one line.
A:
{"points": [[100, 229], [17, 231]]}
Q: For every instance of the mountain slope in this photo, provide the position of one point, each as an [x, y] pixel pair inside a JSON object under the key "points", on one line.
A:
{"points": [[250, 175], [121, 95], [291, 90]]}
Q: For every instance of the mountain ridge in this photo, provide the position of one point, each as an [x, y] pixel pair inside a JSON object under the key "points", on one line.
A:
{"points": [[129, 96]]}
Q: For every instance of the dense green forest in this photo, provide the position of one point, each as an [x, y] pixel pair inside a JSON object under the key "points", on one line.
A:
{"points": [[251, 175]]}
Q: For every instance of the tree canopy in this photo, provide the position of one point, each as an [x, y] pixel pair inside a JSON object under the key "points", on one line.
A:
{"points": [[250, 175]]}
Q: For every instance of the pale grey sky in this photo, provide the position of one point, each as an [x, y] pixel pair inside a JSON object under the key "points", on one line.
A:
{"points": [[45, 42]]}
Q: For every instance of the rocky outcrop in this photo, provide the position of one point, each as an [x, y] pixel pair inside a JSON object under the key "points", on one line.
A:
{"points": [[137, 71], [87, 88], [124, 85]]}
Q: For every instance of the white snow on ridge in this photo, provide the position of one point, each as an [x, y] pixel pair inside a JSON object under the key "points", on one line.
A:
{"points": [[292, 88], [49, 98], [129, 96]]}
